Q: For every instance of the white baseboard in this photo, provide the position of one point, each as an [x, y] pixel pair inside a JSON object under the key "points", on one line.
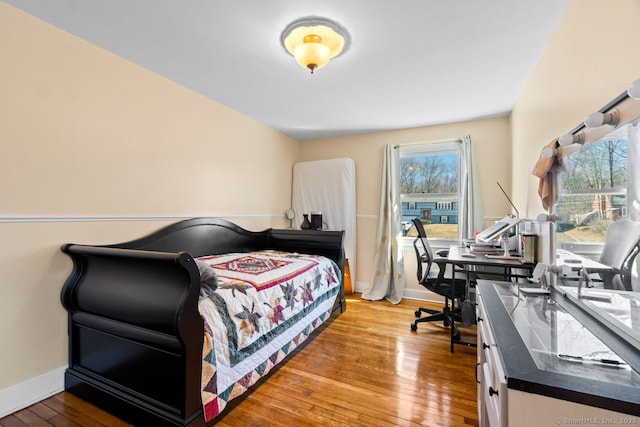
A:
{"points": [[33, 390], [360, 287], [422, 295]]}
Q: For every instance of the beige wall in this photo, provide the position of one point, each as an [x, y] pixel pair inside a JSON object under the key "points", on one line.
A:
{"points": [[86, 134], [493, 149], [591, 58]]}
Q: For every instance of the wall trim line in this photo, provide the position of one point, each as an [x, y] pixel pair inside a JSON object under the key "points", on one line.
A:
{"points": [[18, 219]]}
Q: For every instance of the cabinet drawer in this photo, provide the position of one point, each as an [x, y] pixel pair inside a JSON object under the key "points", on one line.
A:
{"points": [[494, 397], [492, 387]]}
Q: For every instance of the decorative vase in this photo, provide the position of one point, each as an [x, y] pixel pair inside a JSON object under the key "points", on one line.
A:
{"points": [[306, 225]]}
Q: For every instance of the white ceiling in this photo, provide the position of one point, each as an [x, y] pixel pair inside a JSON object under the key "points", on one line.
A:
{"points": [[411, 62]]}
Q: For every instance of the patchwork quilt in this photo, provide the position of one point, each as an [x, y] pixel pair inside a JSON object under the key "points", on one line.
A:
{"points": [[266, 304]]}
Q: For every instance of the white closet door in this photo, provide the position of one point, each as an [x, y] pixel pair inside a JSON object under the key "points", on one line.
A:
{"points": [[328, 186]]}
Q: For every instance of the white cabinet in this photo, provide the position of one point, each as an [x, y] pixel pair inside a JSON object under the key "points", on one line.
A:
{"points": [[492, 382], [534, 410]]}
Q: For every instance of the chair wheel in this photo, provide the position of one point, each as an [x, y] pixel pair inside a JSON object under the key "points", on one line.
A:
{"points": [[414, 327], [418, 313]]}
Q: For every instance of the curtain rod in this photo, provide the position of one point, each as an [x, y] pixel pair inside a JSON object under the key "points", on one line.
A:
{"points": [[441, 141]]}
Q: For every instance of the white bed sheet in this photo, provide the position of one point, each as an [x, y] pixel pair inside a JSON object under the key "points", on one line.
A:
{"points": [[328, 186]]}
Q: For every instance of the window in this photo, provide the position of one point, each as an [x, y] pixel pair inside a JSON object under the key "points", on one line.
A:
{"points": [[594, 190], [430, 188]]}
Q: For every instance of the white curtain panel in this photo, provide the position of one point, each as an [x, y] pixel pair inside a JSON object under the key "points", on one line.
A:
{"points": [[471, 206], [328, 186], [388, 279]]}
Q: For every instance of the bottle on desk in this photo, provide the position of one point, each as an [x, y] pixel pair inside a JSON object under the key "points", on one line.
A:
{"points": [[530, 248]]}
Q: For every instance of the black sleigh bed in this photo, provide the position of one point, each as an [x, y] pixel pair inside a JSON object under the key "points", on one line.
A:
{"points": [[155, 339]]}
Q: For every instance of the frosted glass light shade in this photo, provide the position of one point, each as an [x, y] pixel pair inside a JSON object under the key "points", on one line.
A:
{"points": [[314, 41], [312, 55]]}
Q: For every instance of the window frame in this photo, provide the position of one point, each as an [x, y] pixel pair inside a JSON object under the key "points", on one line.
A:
{"points": [[593, 248], [434, 149]]}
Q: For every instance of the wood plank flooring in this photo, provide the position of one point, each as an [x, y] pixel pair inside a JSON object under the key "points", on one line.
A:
{"points": [[367, 368]]}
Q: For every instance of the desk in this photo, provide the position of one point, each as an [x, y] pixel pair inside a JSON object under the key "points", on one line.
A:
{"points": [[460, 256], [570, 265], [577, 262]]}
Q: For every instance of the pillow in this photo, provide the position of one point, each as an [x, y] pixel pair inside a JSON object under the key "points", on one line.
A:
{"points": [[208, 278]]}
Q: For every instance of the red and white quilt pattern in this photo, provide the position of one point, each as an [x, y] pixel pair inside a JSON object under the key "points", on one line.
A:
{"points": [[266, 304]]}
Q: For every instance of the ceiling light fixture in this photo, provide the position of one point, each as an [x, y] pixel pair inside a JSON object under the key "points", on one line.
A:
{"points": [[313, 41]]}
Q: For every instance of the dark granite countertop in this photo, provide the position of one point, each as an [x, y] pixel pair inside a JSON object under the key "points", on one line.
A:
{"points": [[551, 346]]}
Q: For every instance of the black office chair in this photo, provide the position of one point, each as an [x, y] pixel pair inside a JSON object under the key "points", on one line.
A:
{"points": [[621, 247], [439, 281]]}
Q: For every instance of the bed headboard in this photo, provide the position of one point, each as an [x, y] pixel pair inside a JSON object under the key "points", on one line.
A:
{"points": [[211, 236], [200, 236]]}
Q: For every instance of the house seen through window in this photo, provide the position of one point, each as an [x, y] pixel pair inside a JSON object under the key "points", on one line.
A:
{"points": [[430, 190], [594, 190]]}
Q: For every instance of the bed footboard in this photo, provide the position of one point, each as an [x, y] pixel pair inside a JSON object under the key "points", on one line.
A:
{"points": [[135, 336]]}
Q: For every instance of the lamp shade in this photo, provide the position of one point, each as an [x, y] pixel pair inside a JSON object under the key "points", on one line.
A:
{"points": [[314, 41], [312, 54]]}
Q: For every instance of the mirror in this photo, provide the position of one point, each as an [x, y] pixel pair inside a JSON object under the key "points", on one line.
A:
{"points": [[618, 310], [597, 186]]}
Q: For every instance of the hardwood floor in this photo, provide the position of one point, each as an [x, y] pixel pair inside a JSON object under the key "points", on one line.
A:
{"points": [[365, 369]]}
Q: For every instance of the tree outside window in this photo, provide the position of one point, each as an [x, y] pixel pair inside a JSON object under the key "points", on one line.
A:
{"points": [[430, 191], [593, 190]]}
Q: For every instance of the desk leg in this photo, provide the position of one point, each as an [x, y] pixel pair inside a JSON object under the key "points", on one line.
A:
{"points": [[453, 332]]}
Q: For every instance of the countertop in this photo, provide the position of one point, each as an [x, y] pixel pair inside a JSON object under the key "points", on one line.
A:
{"points": [[553, 347]]}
